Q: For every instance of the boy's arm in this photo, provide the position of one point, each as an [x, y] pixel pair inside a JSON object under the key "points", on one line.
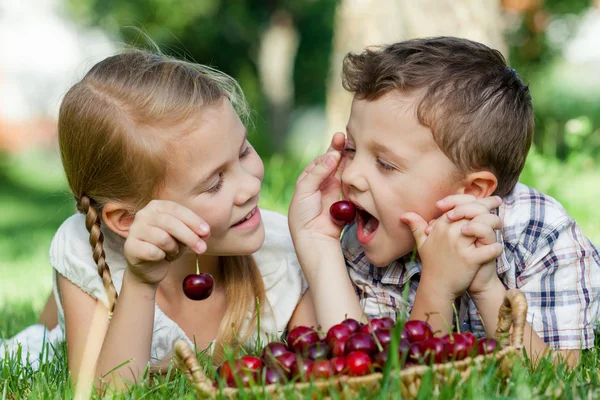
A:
{"points": [[316, 239]]}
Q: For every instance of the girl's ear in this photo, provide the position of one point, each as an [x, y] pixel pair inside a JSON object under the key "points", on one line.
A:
{"points": [[118, 218], [480, 184]]}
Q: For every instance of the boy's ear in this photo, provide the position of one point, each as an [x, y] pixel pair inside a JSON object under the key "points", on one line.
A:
{"points": [[480, 184], [118, 218]]}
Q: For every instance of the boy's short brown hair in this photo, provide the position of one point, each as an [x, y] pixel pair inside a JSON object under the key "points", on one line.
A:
{"points": [[478, 109]]}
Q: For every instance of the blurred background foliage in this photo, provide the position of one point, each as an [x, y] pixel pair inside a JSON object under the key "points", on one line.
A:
{"points": [[284, 53]]}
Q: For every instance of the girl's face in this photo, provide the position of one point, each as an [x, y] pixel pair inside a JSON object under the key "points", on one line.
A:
{"points": [[215, 172]]}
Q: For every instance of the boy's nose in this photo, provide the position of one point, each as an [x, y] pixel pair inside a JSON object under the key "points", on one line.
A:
{"points": [[353, 177]]}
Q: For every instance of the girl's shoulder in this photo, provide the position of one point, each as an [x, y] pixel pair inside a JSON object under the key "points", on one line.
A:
{"points": [[278, 246], [71, 256]]}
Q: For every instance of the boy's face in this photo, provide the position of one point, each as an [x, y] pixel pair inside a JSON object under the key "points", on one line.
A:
{"points": [[392, 165]]}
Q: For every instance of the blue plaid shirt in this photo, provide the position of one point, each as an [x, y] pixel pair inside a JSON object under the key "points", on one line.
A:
{"points": [[545, 255]]}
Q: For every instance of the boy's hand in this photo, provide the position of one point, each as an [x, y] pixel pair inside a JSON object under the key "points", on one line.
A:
{"points": [[158, 235], [317, 188], [480, 227], [449, 253]]}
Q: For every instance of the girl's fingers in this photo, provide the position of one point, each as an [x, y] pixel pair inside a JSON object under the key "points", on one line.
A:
{"points": [[161, 239], [150, 252], [192, 220], [179, 231], [483, 254]]}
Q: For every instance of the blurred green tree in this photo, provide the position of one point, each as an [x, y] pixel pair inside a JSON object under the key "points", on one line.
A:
{"points": [[235, 36]]}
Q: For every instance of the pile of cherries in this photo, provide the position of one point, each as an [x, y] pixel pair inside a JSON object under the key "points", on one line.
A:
{"points": [[349, 348]]}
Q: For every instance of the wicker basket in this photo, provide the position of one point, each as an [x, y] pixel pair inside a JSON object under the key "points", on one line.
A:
{"points": [[512, 313]]}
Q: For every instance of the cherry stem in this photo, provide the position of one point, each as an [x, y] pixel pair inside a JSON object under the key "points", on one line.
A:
{"points": [[197, 266]]}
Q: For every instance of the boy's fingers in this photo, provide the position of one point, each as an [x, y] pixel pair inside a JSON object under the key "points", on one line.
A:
{"points": [[449, 202], [338, 141], [484, 233], [491, 220], [417, 226], [430, 226], [484, 254], [469, 211], [453, 201], [311, 179]]}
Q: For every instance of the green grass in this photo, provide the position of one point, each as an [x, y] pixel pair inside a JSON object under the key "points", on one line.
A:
{"points": [[34, 201]]}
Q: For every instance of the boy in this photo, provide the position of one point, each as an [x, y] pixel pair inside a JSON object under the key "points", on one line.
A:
{"points": [[438, 132]]}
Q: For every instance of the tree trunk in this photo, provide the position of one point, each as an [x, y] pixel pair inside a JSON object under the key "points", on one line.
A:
{"points": [[361, 23], [277, 54]]}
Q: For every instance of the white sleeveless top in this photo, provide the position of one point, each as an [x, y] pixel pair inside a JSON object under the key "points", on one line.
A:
{"points": [[71, 256]]}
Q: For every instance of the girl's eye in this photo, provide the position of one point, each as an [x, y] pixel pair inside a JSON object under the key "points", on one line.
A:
{"points": [[384, 166], [218, 185], [246, 151], [349, 150]]}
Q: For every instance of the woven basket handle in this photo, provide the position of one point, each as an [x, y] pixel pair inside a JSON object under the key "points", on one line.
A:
{"points": [[186, 359], [513, 312]]}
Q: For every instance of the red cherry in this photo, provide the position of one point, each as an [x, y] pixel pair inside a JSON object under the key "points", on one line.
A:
{"points": [[388, 322], [339, 332], [274, 375], [338, 348], [374, 325], [342, 212], [198, 286], [287, 362], [301, 337], [361, 341], [380, 359], [486, 346], [240, 372], [338, 364], [225, 372], [384, 337], [302, 369], [318, 351], [322, 369], [417, 331], [457, 346], [358, 363], [273, 350], [252, 363], [470, 338], [434, 349], [353, 324]]}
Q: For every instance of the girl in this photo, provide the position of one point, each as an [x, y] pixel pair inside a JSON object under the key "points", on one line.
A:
{"points": [[164, 179]]}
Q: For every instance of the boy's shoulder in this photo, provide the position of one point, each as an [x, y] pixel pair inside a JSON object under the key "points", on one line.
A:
{"points": [[529, 211], [533, 220]]}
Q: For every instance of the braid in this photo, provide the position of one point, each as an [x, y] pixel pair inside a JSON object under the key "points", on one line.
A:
{"points": [[92, 223]]}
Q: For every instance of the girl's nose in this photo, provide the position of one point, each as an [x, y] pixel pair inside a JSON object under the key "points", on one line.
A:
{"points": [[248, 187]]}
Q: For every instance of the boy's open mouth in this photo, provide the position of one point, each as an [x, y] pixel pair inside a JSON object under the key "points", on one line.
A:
{"points": [[367, 226]]}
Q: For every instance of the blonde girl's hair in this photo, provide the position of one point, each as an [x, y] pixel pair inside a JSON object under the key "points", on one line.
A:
{"points": [[108, 156]]}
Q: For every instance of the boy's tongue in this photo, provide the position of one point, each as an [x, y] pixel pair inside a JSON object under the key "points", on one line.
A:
{"points": [[367, 225]]}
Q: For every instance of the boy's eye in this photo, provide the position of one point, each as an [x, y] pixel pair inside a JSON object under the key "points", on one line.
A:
{"points": [[384, 166], [349, 150], [217, 186]]}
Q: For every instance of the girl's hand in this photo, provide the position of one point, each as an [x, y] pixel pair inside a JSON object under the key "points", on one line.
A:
{"points": [[448, 247], [317, 188], [157, 236]]}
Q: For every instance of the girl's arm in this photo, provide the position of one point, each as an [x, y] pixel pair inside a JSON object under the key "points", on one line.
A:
{"points": [[97, 348], [304, 314]]}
